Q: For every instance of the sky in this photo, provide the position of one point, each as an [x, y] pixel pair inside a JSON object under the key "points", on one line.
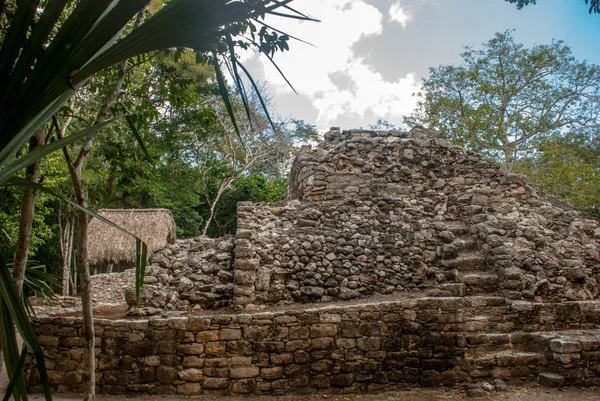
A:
{"points": [[369, 56]]}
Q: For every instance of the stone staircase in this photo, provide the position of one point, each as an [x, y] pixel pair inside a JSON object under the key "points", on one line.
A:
{"points": [[467, 270], [553, 358]]}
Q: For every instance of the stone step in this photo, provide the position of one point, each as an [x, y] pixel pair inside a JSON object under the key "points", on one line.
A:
{"points": [[465, 243], [504, 364], [478, 283], [540, 342], [466, 261], [455, 289], [547, 379], [456, 227], [491, 341]]}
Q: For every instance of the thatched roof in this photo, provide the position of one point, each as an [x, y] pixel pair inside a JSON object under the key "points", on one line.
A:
{"points": [[154, 226]]}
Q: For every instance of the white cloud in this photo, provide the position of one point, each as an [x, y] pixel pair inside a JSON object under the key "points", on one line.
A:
{"points": [[400, 14], [310, 69]]}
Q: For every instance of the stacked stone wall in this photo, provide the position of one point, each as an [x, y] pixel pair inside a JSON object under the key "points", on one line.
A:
{"points": [[191, 272], [368, 212], [362, 347], [339, 250]]}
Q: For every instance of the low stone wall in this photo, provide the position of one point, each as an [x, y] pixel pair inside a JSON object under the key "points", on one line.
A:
{"points": [[361, 347], [197, 271]]}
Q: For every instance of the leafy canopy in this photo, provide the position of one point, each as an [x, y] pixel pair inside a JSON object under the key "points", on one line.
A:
{"points": [[503, 96], [594, 4]]}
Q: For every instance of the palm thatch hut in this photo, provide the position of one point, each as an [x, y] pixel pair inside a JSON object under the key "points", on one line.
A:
{"points": [[111, 250]]}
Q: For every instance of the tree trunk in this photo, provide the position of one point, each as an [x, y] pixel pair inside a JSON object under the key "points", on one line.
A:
{"points": [[89, 342], [81, 234], [26, 218], [509, 158], [66, 251], [25, 224]]}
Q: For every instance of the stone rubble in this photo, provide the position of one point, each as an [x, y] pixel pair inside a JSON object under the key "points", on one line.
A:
{"points": [[191, 272]]}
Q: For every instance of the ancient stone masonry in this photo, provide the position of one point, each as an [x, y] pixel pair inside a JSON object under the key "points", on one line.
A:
{"points": [[362, 347], [395, 259], [191, 272], [379, 213], [371, 212]]}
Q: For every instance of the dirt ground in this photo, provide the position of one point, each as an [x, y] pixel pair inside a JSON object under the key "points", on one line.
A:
{"points": [[528, 393]]}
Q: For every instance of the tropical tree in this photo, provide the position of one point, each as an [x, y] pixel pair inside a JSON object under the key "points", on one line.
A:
{"points": [[254, 187], [594, 4], [49, 51], [568, 167], [503, 96], [225, 154]]}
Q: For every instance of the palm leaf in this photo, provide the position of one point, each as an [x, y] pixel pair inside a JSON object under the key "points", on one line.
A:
{"points": [[16, 315], [11, 353], [17, 379], [138, 137], [31, 157]]}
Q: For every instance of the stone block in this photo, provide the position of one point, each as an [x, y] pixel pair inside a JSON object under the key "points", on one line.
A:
{"points": [[243, 386], [116, 377], [193, 362], [193, 349], [342, 380], [215, 348], [369, 343], [48, 341], [215, 383], [323, 330], [431, 378], [521, 306], [244, 277], [75, 378], [189, 389], [230, 334], [256, 332], [322, 366], [320, 382], [271, 373], [205, 336], [566, 359], [563, 346], [551, 380], [301, 357], [114, 390], [238, 361], [321, 343], [282, 358], [239, 347], [244, 372], [216, 362], [298, 333], [212, 371], [191, 375]]}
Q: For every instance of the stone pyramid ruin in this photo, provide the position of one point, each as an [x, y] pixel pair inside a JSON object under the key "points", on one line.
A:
{"points": [[395, 259]]}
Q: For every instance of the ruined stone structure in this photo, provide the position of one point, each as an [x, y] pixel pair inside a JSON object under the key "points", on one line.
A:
{"points": [[423, 264]]}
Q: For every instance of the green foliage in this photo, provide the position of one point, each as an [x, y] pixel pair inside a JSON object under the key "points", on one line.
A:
{"points": [[504, 96], [254, 188], [568, 167], [594, 4]]}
